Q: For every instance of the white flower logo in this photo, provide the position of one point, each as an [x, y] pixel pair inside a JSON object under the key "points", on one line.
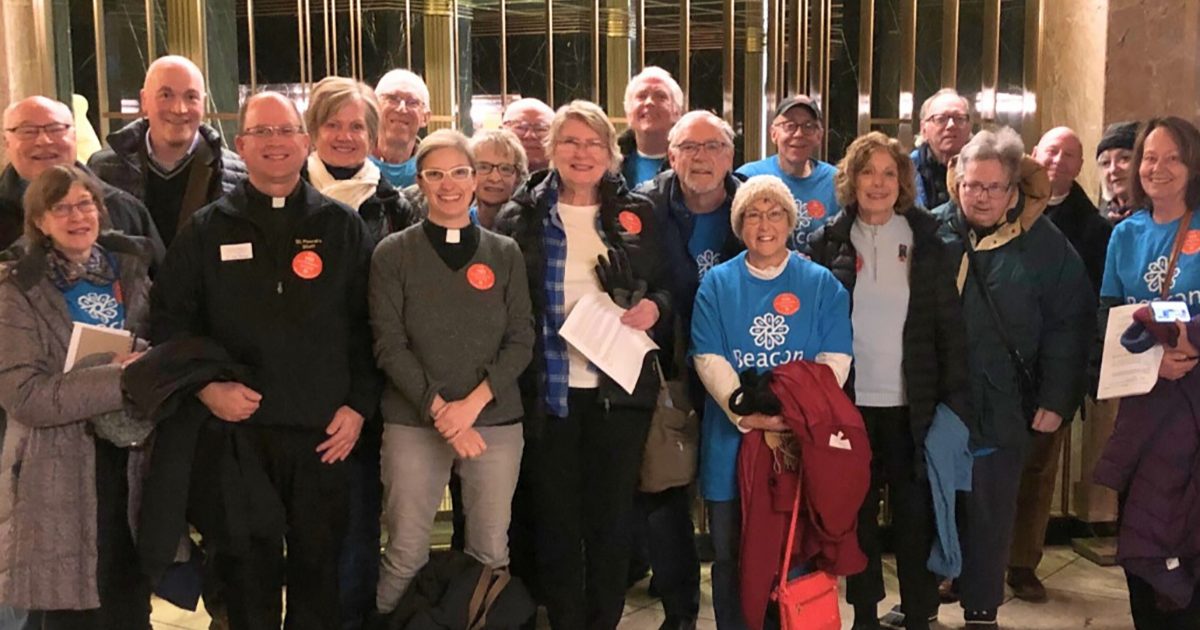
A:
{"points": [[706, 260], [769, 331], [1156, 272], [98, 306]]}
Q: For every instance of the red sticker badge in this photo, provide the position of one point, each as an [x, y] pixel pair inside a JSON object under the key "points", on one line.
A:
{"points": [[630, 221], [1191, 242], [787, 304], [481, 276], [307, 264], [858, 263], [118, 294], [815, 209]]}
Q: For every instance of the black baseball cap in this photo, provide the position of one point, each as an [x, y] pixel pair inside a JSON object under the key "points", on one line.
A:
{"points": [[800, 100]]}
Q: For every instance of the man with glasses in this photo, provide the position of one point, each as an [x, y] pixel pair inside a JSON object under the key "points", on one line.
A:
{"points": [[653, 102], [530, 119], [797, 133], [945, 128], [276, 274], [404, 112], [692, 203], [39, 133], [170, 159]]}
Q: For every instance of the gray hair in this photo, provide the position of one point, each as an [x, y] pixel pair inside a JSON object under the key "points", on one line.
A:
{"points": [[1003, 145], [655, 72], [700, 114], [507, 143], [938, 94]]}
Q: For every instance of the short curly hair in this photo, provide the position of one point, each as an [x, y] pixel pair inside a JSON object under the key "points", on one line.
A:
{"points": [[856, 158]]}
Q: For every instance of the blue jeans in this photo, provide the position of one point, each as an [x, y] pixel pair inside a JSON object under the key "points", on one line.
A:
{"points": [[724, 525]]}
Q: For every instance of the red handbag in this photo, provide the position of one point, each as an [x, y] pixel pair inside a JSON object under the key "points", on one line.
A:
{"points": [[809, 602]]}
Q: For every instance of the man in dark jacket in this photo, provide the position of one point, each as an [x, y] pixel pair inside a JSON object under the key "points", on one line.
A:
{"points": [[653, 102], [945, 128], [1029, 329], [1061, 153], [277, 275], [170, 159], [39, 133]]}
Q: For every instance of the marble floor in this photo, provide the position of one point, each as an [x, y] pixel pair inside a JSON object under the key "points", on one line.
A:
{"points": [[1082, 595]]}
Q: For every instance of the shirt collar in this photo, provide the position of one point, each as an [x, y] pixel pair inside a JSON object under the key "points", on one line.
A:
{"points": [[170, 167]]}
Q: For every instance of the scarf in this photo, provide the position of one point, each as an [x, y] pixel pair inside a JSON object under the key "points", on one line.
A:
{"points": [[352, 192], [65, 273]]}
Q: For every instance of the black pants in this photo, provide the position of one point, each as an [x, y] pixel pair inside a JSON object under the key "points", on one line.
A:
{"points": [[911, 502], [986, 534], [314, 496], [1148, 616], [359, 562], [585, 473], [124, 590], [665, 519]]}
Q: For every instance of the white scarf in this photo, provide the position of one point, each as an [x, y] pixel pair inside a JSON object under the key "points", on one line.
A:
{"points": [[352, 192]]}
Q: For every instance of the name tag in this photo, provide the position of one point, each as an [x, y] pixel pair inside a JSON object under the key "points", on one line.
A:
{"points": [[237, 251]]}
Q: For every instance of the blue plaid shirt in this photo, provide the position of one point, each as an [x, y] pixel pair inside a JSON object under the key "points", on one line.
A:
{"points": [[554, 240]]}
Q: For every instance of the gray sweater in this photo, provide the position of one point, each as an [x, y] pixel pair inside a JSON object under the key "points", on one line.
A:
{"points": [[439, 331]]}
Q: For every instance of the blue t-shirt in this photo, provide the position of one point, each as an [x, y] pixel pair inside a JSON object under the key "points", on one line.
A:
{"points": [[398, 175], [814, 194], [95, 304], [760, 324], [709, 233], [1138, 255], [473, 213], [639, 168]]}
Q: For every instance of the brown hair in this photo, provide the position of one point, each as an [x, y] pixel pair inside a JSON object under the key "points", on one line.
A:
{"points": [[1187, 137], [50, 188], [331, 94], [856, 158]]}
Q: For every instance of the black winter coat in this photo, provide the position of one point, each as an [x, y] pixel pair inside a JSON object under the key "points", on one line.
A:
{"points": [[522, 219], [386, 212], [934, 364], [1079, 220]]}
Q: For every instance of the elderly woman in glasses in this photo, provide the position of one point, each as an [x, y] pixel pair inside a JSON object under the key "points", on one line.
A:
{"points": [[586, 432], [64, 489], [451, 316]]}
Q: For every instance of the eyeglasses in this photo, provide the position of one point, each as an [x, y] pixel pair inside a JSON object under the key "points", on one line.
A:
{"points": [[993, 191], [270, 131], [807, 128], [395, 100], [772, 216], [591, 146], [458, 174], [486, 168], [523, 128], [693, 148], [54, 131], [63, 210], [942, 120]]}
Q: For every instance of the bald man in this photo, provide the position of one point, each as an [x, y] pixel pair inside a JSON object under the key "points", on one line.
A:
{"points": [[529, 119], [1061, 153], [169, 158], [276, 274], [39, 133], [403, 113]]}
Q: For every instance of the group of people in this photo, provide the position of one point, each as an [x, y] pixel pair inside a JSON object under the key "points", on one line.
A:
{"points": [[340, 318]]}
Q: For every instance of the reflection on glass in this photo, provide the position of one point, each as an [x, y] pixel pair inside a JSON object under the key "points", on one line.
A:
{"points": [[842, 102]]}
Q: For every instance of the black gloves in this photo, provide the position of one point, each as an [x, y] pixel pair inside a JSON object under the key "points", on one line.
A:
{"points": [[755, 395], [616, 276]]}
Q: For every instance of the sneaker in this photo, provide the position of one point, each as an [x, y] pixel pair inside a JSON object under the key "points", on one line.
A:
{"points": [[1026, 585], [980, 619]]}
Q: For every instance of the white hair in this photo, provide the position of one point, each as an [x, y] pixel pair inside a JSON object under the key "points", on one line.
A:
{"points": [[407, 78], [655, 72], [1003, 145], [700, 114]]}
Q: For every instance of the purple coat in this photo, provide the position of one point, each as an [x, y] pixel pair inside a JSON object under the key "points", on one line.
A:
{"points": [[1153, 461]]}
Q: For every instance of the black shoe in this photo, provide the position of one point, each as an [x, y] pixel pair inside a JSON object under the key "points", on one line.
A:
{"points": [[895, 620], [948, 591], [980, 619], [676, 623], [1026, 585], [865, 618]]}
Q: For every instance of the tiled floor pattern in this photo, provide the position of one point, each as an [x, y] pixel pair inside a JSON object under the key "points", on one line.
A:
{"points": [[1082, 595]]}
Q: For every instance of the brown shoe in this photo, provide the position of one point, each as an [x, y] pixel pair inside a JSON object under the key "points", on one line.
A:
{"points": [[1026, 585], [948, 591]]}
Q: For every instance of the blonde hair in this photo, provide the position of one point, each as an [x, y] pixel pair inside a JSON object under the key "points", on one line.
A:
{"points": [[858, 154], [594, 117], [508, 144], [444, 139], [50, 188], [331, 93]]}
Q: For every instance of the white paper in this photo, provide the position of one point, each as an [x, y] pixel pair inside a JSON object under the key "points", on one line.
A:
{"points": [[594, 328], [1123, 373], [88, 339]]}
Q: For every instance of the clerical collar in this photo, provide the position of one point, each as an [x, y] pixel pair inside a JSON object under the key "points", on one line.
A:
{"points": [[259, 199], [164, 167], [451, 236]]}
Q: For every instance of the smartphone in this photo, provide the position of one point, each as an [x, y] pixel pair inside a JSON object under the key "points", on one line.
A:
{"points": [[1167, 312]]}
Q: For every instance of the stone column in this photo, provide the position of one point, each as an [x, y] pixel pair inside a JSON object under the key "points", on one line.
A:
{"points": [[618, 55]]}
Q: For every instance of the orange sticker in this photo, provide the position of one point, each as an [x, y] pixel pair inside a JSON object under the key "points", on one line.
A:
{"points": [[858, 263], [787, 304], [118, 294], [1191, 242], [815, 209], [630, 221], [481, 276], [307, 264]]}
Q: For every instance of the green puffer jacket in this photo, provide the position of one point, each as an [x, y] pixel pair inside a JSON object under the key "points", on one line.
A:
{"points": [[1045, 301]]}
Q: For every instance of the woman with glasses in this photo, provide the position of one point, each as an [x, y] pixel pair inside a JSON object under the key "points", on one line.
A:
{"points": [[908, 350], [1029, 310], [586, 433], [500, 167], [451, 316], [65, 480], [343, 120]]}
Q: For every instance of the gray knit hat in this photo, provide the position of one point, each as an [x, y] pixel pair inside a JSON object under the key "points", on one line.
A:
{"points": [[756, 188]]}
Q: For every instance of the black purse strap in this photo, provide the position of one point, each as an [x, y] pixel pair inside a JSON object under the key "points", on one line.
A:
{"points": [[981, 280]]}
